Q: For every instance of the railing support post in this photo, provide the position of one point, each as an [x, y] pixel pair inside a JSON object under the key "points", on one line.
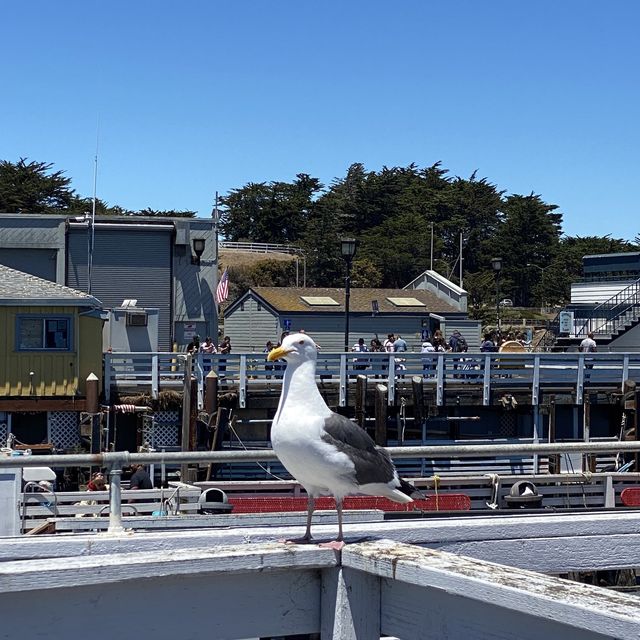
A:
{"points": [[155, 376], [115, 501], [350, 605]]}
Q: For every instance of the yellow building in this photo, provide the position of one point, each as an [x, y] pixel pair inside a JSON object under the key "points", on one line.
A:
{"points": [[50, 341]]}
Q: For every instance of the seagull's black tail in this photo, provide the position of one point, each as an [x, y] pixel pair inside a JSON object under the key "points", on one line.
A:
{"points": [[408, 489]]}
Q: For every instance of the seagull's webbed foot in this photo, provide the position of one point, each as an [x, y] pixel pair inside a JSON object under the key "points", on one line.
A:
{"points": [[336, 545]]}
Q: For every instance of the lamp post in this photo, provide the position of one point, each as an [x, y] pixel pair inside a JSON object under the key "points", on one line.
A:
{"points": [[542, 304], [496, 265], [348, 250]]}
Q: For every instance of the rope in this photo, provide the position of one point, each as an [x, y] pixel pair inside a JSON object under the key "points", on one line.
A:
{"points": [[436, 484], [403, 417], [235, 433]]}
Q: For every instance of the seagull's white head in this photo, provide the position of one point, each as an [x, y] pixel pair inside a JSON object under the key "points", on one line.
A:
{"points": [[296, 347]]}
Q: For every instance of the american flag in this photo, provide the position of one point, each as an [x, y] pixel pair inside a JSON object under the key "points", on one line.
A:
{"points": [[222, 291]]}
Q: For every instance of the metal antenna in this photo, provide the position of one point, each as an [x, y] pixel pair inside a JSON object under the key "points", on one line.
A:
{"points": [[91, 227]]}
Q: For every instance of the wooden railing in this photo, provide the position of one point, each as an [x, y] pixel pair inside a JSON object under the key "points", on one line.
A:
{"points": [[531, 371], [368, 590]]}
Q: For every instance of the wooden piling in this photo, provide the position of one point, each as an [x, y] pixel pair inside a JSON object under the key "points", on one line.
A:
{"points": [[211, 393], [381, 415], [361, 399]]}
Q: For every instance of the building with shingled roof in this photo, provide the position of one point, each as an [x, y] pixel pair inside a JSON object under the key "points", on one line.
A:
{"points": [[50, 341], [263, 313]]}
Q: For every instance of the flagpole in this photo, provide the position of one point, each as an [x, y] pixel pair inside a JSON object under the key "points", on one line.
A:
{"points": [[216, 263]]}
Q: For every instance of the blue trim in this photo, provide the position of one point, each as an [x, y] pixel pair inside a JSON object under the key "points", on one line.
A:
{"points": [[45, 317]]}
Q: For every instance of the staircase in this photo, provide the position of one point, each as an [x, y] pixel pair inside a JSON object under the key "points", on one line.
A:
{"points": [[607, 321]]}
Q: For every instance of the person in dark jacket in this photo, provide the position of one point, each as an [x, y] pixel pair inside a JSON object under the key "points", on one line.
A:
{"points": [[140, 478]]}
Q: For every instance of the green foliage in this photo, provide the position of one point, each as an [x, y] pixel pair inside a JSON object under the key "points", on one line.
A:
{"points": [[365, 274], [265, 273], [391, 212], [32, 187]]}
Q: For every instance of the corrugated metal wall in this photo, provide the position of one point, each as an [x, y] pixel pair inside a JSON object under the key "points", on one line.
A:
{"points": [[470, 329], [37, 262], [597, 292], [127, 263]]}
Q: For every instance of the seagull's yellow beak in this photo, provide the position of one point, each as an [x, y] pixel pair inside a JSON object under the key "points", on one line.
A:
{"points": [[277, 354]]}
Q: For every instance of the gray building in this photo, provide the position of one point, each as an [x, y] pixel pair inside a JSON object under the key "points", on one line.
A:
{"points": [[149, 259], [263, 313]]}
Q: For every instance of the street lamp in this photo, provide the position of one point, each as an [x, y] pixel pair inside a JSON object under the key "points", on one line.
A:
{"points": [[496, 265], [348, 250], [542, 304]]}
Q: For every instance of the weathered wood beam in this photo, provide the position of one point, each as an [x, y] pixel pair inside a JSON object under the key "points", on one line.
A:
{"points": [[554, 543], [232, 592], [42, 404], [381, 415], [431, 594]]}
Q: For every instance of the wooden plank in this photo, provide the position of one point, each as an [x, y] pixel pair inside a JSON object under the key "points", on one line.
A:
{"points": [[219, 520], [259, 603], [43, 404], [592, 530], [485, 600], [57, 573]]}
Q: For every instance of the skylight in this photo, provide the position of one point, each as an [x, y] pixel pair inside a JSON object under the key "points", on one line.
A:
{"points": [[406, 302], [320, 301]]}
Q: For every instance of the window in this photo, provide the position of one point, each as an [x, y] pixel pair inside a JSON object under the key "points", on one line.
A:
{"points": [[34, 333]]}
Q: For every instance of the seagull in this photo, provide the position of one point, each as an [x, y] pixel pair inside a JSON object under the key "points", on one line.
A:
{"points": [[325, 452]]}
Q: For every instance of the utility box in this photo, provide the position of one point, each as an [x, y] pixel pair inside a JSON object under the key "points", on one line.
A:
{"points": [[10, 489], [131, 328]]}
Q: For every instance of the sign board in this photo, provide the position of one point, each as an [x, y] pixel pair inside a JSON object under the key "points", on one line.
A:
{"points": [[566, 322], [189, 329]]}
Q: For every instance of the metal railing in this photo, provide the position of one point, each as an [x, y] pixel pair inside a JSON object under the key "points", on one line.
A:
{"points": [[261, 247], [250, 371], [115, 461], [609, 316]]}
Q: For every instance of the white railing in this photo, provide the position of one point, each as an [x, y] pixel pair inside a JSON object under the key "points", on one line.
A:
{"points": [[247, 371], [261, 247]]}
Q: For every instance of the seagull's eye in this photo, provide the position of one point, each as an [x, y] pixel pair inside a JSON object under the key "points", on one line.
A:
{"points": [[301, 342]]}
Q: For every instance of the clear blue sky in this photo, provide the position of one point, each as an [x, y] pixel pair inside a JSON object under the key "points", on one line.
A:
{"points": [[198, 96]]}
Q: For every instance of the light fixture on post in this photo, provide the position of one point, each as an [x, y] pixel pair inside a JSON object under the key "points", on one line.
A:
{"points": [[496, 265], [198, 249], [348, 250]]}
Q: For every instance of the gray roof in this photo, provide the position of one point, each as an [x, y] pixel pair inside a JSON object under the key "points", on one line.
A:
{"points": [[23, 289]]}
